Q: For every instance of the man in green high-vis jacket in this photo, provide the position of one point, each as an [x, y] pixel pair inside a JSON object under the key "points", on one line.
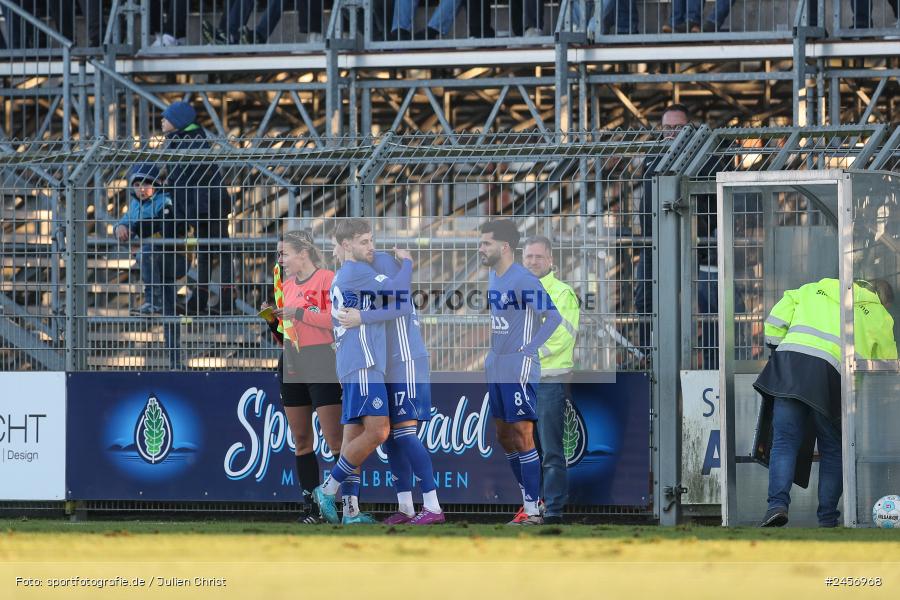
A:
{"points": [[801, 386], [557, 364]]}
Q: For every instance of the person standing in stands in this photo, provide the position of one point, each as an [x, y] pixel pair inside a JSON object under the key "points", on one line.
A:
{"points": [[151, 215], [200, 198]]}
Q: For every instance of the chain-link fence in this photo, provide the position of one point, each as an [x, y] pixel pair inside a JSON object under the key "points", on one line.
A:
{"points": [[157, 254], [770, 149], [168, 245]]}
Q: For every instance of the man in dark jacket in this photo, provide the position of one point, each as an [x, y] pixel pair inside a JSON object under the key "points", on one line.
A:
{"points": [[674, 117], [801, 386], [200, 197]]}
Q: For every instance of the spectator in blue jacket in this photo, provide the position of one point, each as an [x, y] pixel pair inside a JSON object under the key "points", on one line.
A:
{"points": [[151, 215]]}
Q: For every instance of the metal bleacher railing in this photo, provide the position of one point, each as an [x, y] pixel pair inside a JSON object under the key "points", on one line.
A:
{"points": [[348, 81], [240, 26], [71, 292]]}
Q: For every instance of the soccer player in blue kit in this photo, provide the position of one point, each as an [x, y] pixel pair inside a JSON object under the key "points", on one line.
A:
{"points": [[409, 390], [522, 319], [360, 361]]}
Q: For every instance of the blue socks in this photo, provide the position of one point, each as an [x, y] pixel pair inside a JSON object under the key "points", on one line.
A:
{"points": [[350, 486], [411, 448], [516, 466], [342, 470], [350, 495], [401, 471], [530, 464]]}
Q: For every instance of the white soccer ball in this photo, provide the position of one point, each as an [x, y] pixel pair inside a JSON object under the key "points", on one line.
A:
{"points": [[886, 512]]}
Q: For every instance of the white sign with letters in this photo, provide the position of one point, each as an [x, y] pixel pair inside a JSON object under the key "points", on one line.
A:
{"points": [[700, 453], [32, 436]]}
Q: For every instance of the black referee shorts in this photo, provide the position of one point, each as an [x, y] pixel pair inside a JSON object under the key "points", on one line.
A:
{"points": [[310, 378]]}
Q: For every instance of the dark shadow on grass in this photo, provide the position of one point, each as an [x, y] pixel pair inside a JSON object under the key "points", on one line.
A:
{"points": [[461, 529]]}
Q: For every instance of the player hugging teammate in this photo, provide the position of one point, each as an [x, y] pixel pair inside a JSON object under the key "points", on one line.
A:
{"points": [[382, 364], [383, 367]]}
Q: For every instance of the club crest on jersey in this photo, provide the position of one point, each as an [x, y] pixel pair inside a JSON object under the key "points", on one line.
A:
{"points": [[377, 403], [349, 300]]}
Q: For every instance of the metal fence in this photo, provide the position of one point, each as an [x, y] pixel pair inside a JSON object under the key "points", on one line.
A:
{"points": [[408, 24], [77, 289], [239, 26], [772, 149], [74, 289]]}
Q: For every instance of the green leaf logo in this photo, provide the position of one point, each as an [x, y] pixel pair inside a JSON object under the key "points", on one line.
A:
{"points": [[573, 434], [153, 432]]}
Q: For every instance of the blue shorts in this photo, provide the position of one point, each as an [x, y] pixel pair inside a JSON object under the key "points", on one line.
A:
{"points": [[409, 389], [364, 395], [512, 398]]}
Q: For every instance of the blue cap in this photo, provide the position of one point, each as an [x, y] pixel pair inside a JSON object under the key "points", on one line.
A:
{"points": [[180, 114], [143, 172]]}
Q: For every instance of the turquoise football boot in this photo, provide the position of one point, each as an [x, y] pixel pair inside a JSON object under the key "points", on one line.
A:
{"points": [[360, 519], [326, 505]]}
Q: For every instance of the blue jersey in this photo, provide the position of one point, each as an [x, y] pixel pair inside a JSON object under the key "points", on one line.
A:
{"points": [[522, 314], [404, 338], [357, 285]]}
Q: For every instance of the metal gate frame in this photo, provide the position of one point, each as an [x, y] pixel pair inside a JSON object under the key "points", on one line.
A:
{"points": [[727, 362]]}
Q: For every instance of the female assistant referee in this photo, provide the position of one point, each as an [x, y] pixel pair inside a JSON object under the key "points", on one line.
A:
{"points": [[302, 325]]}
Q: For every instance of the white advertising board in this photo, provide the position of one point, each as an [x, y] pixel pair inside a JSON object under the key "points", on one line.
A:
{"points": [[700, 457], [32, 436]]}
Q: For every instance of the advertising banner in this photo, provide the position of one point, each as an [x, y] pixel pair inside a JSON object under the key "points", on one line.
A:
{"points": [[700, 459], [224, 437], [32, 436]]}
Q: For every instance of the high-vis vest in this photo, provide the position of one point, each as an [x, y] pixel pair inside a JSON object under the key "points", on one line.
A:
{"points": [[808, 320], [557, 353], [285, 326]]}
